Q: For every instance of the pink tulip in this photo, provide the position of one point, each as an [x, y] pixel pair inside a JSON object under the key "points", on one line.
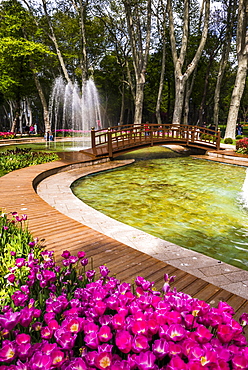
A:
{"points": [[57, 358], [100, 307], [140, 327], [176, 363], [22, 339], [40, 361], [139, 343], [146, 361], [105, 333], [66, 254], [19, 262], [160, 348], [118, 321], [123, 341], [11, 278], [225, 333], [91, 340], [7, 352], [176, 332], [103, 360], [202, 334]]}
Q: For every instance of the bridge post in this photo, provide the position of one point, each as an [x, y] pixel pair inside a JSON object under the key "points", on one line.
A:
{"points": [[218, 139], [93, 139], [110, 146], [151, 134], [193, 134]]}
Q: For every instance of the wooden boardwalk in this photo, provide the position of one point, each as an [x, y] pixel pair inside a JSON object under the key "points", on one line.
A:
{"points": [[62, 233]]}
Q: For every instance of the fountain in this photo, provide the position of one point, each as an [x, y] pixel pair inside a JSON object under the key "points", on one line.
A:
{"points": [[71, 110]]}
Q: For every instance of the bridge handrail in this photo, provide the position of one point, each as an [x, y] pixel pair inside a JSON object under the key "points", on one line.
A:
{"points": [[124, 136]]}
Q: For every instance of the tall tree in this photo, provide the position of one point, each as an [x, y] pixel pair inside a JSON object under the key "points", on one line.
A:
{"points": [[138, 15], [161, 26], [226, 47], [181, 71], [242, 56]]}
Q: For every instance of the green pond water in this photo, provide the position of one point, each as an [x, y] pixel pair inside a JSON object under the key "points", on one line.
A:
{"points": [[194, 203]]}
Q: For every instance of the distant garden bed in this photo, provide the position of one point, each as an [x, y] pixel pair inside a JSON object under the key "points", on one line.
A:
{"points": [[11, 160]]}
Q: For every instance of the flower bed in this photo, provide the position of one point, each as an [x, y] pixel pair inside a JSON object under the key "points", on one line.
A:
{"points": [[242, 146], [16, 242], [60, 318], [15, 159], [7, 135]]}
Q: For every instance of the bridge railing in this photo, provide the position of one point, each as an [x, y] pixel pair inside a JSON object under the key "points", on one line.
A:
{"points": [[119, 138]]}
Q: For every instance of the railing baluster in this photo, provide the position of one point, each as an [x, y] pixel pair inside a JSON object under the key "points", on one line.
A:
{"points": [[93, 140], [110, 146]]}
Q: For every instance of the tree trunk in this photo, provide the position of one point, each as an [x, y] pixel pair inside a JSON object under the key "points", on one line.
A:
{"points": [[139, 97], [180, 77], [179, 100], [224, 59], [47, 124], [242, 53], [16, 117], [122, 90], [84, 59], [161, 85], [236, 98], [139, 52]]}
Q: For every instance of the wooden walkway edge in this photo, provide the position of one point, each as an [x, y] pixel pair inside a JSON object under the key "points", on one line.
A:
{"points": [[17, 193]]}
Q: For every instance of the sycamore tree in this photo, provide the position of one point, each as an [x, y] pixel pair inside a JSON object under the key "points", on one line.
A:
{"points": [[242, 58], [139, 19], [182, 70]]}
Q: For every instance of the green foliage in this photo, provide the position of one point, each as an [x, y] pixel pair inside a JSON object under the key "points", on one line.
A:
{"points": [[19, 158], [207, 137], [228, 140], [238, 137], [18, 49], [15, 242]]}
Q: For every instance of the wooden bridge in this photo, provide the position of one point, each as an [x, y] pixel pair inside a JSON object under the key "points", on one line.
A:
{"points": [[117, 140]]}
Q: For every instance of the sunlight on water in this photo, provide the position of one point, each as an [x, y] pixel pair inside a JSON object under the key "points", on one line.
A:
{"points": [[53, 146], [193, 203], [244, 194]]}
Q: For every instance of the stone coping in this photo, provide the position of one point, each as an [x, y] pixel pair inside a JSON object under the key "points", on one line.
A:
{"points": [[55, 190]]}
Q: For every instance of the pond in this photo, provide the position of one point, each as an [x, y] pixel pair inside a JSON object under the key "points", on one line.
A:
{"points": [[194, 203]]}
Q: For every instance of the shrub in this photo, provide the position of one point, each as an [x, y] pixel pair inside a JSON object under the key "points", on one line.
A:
{"points": [[238, 137], [228, 140], [207, 137], [242, 146], [19, 158]]}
